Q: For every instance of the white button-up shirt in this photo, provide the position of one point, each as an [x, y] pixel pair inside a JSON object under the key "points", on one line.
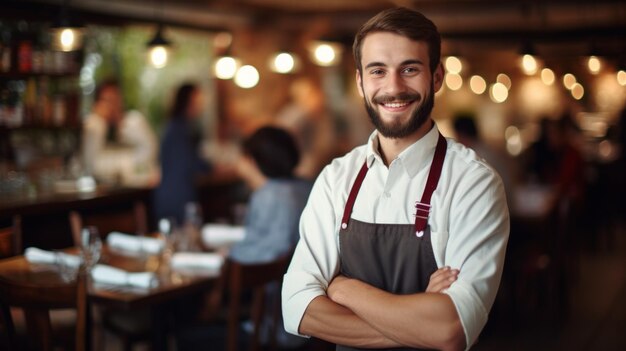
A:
{"points": [[469, 223]]}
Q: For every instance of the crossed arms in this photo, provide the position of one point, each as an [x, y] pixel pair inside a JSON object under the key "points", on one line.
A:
{"points": [[474, 229], [357, 314]]}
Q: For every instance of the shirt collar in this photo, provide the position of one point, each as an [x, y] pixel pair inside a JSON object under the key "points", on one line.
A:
{"points": [[413, 158]]}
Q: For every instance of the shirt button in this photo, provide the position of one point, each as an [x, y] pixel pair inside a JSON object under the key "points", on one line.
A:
{"points": [[387, 194]]}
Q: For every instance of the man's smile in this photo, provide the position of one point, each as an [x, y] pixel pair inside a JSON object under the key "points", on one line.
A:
{"points": [[397, 106]]}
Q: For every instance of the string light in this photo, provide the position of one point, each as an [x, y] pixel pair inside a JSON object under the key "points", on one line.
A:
{"points": [[577, 91], [226, 67], [247, 77], [621, 77], [594, 64], [283, 62], [529, 64], [325, 53], [454, 81], [478, 84], [569, 80], [498, 93], [547, 76], [504, 79], [453, 65]]}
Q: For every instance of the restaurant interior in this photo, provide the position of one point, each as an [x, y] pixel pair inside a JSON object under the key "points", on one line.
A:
{"points": [[536, 88]]}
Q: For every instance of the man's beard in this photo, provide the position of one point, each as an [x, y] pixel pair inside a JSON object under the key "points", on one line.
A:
{"points": [[396, 129]]}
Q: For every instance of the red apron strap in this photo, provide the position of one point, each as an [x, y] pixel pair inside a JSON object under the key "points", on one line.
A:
{"points": [[423, 206], [352, 197]]}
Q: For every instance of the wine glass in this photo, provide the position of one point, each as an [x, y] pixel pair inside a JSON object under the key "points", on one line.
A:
{"points": [[166, 228], [90, 246]]}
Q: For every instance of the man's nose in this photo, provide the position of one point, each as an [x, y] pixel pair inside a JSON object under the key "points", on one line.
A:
{"points": [[395, 85]]}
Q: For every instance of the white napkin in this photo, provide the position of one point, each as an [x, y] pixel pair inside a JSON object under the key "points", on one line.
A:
{"points": [[222, 235], [35, 255], [197, 260], [134, 243], [110, 275]]}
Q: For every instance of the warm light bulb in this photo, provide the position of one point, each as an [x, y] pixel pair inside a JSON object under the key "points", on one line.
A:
{"points": [[283, 63], [529, 64], [594, 64], [513, 140], [478, 85], [577, 91], [454, 81], [498, 93], [226, 67], [325, 54], [453, 65], [222, 40], [67, 38], [158, 56], [504, 79], [547, 76], [247, 77], [621, 77], [569, 80]]}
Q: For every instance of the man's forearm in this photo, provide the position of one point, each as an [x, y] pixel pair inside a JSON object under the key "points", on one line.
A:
{"points": [[426, 320], [334, 323]]}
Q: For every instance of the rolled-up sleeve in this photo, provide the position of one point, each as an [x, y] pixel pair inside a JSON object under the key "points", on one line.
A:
{"points": [[315, 261], [478, 235]]}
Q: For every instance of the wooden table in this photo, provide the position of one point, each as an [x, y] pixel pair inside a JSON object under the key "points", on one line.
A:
{"points": [[171, 285], [45, 221]]}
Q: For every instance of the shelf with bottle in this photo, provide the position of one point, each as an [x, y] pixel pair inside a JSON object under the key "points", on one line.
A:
{"points": [[25, 49], [38, 86], [39, 102]]}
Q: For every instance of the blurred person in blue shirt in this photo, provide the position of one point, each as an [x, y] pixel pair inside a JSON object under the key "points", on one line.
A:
{"points": [[179, 155], [278, 198], [267, 166]]}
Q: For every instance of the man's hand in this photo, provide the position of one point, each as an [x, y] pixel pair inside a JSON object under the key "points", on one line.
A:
{"points": [[442, 279], [422, 320]]}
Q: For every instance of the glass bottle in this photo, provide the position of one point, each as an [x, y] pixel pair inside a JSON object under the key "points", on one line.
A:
{"points": [[192, 227]]}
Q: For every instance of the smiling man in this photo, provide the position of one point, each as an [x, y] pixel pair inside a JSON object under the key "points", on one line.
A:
{"points": [[402, 241]]}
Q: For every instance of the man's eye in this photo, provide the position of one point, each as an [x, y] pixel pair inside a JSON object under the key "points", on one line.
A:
{"points": [[410, 70], [377, 72]]}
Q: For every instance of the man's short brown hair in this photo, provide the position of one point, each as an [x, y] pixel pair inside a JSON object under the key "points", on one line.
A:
{"points": [[404, 22]]}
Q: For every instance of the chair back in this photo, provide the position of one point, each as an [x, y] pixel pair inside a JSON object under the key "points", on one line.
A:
{"points": [[132, 222], [36, 301], [254, 277], [11, 238]]}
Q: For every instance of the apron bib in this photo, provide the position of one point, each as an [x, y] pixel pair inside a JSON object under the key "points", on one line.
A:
{"points": [[397, 258]]}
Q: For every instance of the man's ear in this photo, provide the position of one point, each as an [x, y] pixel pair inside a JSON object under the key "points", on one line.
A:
{"points": [[359, 83], [438, 77]]}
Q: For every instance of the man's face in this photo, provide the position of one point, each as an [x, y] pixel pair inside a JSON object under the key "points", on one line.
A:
{"points": [[396, 83], [111, 99]]}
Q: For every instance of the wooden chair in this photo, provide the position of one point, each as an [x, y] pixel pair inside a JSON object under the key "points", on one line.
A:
{"points": [[11, 238], [131, 330], [37, 301], [254, 277]]}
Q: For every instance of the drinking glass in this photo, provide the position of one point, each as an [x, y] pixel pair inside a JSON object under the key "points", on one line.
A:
{"points": [[90, 246], [190, 236], [166, 228], [66, 266]]}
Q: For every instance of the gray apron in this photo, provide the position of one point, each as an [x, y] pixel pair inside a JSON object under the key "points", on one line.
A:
{"points": [[397, 258]]}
